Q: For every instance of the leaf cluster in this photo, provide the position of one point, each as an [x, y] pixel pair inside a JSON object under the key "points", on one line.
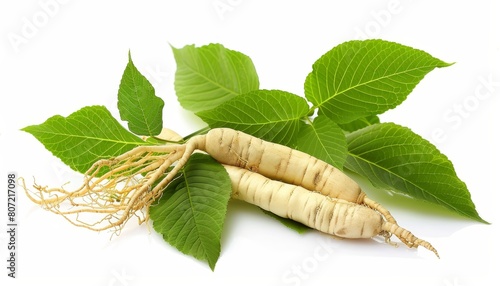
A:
{"points": [[336, 120]]}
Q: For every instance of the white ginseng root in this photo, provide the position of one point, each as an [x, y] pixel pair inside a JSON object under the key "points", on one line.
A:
{"points": [[333, 216], [117, 189], [278, 162]]}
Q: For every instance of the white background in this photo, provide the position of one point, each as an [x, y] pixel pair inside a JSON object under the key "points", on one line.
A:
{"points": [[58, 57]]}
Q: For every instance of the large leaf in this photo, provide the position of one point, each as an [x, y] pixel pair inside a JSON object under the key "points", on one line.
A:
{"points": [[272, 115], [138, 103], [209, 75], [324, 140], [85, 136], [361, 78], [392, 156], [191, 212]]}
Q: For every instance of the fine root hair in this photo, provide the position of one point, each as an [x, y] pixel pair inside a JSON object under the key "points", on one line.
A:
{"points": [[115, 189]]}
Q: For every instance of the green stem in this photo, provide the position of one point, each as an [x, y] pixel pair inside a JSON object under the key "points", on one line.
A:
{"points": [[307, 119], [183, 140], [311, 111], [163, 141], [203, 130]]}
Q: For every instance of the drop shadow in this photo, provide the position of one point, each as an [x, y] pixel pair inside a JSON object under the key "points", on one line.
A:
{"points": [[370, 247], [235, 211]]}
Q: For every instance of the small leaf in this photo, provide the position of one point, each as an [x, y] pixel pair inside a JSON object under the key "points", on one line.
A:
{"points": [[291, 224], [85, 136], [392, 156], [324, 140], [138, 103], [359, 123], [272, 115], [210, 75], [362, 78], [190, 214]]}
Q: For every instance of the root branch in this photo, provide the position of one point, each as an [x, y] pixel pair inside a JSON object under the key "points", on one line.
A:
{"points": [[114, 190]]}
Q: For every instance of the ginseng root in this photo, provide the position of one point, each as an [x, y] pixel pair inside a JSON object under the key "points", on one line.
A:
{"points": [[333, 216], [280, 163], [119, 188]]}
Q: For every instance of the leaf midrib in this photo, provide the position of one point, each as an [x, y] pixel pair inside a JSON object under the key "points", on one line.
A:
{"points": [[323, 146], [96, 138], [318, 105], [406, 181], [286, 120], [193, 214], [232, 92], [139, 102]]}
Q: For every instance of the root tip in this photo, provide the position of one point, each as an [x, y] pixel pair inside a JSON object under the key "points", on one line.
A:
{"points": [[406, 237]]}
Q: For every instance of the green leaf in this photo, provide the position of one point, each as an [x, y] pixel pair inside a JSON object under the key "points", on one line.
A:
{"points": [[272, 115], [85, 136], [138, 103], [210, 75], [362, 78], [291, 224], [324, 140], [359, 123], [392, 156], [191, 212]]}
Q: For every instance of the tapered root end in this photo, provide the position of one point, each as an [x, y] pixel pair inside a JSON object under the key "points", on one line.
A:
{"points": [[406, 237], [420, 242], [379, 208]]}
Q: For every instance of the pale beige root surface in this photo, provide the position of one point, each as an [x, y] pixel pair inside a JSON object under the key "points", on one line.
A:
{"points": [[285, 164], [280, 163], [169, 135], [333, 216], [406, 236]]}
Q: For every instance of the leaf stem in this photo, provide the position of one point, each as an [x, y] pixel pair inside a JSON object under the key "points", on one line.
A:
{"points": [[163, 141], [307, 119], [198, 132], [311, 111]]}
